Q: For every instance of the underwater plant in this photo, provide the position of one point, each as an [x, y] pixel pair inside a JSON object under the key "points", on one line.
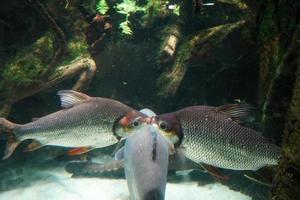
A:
{"points": [[176, 10], [128, 7], [125, 27], [102, 7]]}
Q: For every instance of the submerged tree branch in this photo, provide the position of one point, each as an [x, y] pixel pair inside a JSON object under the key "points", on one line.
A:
{"points": [[202, 43], [86, 67]]}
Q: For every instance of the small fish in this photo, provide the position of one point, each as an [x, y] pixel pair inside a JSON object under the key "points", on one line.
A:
{"points": [[85, 123], [213, 136], [145, 156]]}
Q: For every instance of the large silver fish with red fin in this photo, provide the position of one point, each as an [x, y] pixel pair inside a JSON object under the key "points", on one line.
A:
{"points": [[213, 136], [85, 122]]}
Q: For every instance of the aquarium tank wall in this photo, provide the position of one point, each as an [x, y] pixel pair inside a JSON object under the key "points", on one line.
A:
{"points": [[148, 99]]}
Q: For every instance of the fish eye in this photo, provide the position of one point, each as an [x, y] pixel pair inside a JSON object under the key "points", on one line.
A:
{"points": [[163, 125], [136, 122]]}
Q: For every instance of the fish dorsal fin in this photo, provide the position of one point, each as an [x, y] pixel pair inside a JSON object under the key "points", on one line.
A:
{"points": [[120, 154], [238, 111], [69, 98]]}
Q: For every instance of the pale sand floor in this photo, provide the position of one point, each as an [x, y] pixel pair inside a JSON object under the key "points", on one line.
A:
{"points": [[58, 185]]}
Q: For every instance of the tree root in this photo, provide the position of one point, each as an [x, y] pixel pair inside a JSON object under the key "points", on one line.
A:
{"points": [[86, 67]]}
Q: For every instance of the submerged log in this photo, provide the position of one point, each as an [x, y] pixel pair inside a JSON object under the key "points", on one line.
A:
{"points": [[169, 47], [50, 58], [85, 67]]}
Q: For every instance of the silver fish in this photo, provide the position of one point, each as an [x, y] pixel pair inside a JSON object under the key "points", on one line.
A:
{"points": [[145, 156], [213, 136], [85, 122]]}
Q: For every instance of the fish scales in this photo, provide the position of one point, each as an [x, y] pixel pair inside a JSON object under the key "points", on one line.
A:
{"points": [[214, 138], [87, 124]]}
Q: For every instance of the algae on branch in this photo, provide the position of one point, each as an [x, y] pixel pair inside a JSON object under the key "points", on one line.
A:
{"points": [[26, 67]]}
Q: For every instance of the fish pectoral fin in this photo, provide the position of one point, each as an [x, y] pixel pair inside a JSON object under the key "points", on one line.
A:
{"points": [[79, 151], [119, 155], [80, 168], [69, 98], [34, 145], [214, 172], [237, 112], [172, 149], [118, 146]]}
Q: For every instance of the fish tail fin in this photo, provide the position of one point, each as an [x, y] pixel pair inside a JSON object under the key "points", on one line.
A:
{"points": [[12, 141], [10, 148], [6, 125]]}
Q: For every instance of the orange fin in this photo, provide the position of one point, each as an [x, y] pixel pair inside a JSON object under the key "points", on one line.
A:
{"points": [[79, 151], [238, 111], [34, 145], [214, 172]]}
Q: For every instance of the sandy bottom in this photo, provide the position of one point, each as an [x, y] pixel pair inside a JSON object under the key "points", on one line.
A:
{"points": [[56, 185]]}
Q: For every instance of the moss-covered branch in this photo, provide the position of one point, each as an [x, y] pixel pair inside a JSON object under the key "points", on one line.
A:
{"points": [[85, 67]]}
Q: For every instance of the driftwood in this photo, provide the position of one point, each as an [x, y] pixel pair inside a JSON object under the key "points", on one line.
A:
{"points": [[86, 67], [169, 47], [202, 43]]}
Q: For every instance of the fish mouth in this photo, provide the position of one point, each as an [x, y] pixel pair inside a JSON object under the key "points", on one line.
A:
{"points": [[171, 136]]}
